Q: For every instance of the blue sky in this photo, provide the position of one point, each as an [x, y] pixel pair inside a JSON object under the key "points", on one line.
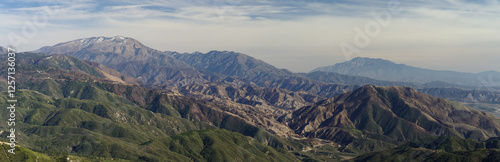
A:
{"points": [[298, 35]]}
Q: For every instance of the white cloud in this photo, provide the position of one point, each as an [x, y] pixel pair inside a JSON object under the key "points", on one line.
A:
{"points": [[296, 35]]}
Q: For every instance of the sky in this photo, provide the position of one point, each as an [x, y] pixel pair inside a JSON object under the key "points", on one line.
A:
{"points": [[299, 35]]}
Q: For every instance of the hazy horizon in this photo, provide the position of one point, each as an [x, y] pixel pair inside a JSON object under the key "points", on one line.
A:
{"points": [[457, 35]]}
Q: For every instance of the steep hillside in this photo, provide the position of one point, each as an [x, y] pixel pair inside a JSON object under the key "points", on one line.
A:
{"points": [[372, 118], [217, 145], [42, 66]]}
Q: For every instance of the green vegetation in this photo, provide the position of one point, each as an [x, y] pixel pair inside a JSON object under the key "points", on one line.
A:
{"points": [[111, 128], [26, 155], [439, 149], [67, 110], [63, 114]]}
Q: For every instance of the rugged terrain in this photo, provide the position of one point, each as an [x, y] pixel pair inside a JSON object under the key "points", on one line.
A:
{"points": [[113, 98], [97, 116], [385, 116]]}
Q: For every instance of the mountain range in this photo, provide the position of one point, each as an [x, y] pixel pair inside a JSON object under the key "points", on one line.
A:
{"points": [[113, 98], [387, 70], [158, 69]]}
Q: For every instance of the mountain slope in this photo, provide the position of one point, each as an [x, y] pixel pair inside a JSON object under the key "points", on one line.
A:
{"points": [[25, 154], [386, 116], [439, 149], [130, 57], [218, 145], [71, 65], [387, 70], [233, 64]]}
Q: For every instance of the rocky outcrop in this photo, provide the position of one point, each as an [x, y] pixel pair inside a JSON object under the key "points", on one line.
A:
{"points": [[251, 95]]}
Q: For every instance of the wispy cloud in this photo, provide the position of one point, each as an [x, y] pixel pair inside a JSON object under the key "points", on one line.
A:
{"points": [[286, 33]]}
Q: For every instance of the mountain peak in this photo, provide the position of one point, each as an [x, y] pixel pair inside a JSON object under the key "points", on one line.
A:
{"points": [[123, 46], [387, 70], [358, 62], [107, 41], [102, 39], [130, 57], [367, 59]]}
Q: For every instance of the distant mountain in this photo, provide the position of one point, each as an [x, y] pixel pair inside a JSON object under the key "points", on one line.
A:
{"points": [[130, 57], [439, 149], [119, 48], [387, 70], [372, 118]]}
